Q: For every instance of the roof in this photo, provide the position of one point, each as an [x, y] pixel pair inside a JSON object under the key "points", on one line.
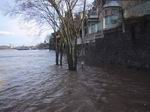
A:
{"points": [[112, 4]]}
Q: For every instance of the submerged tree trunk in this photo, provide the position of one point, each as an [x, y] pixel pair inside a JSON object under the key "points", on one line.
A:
{"points": [[72, 56], [56, 51], [72, 62], [61, 54], [57, 57]]}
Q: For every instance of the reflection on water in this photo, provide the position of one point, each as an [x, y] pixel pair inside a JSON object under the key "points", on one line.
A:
{"points": [[30, 82]]}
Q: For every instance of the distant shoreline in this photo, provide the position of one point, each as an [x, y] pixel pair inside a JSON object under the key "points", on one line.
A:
{"points": [[8, 49]]}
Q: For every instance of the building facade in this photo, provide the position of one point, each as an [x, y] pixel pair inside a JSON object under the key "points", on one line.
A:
{"points": [[103, 16]]}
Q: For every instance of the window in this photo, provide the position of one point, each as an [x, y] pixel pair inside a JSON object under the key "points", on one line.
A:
{"points": [[111, 21], [114, 19], [115, 12], [107, 20], [93, 28], [108, 12], [99, 27]]}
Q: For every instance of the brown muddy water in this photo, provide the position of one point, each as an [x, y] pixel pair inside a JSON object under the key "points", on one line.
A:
{"points": [[30, 82]]}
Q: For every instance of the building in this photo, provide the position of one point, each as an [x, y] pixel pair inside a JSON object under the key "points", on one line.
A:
{"points": [[93, 26], [93, 22], [109, 14], [105, 15], [112, 14]]}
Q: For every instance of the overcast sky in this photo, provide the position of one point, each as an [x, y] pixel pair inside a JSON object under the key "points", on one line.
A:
{"points": [[16, 32]]}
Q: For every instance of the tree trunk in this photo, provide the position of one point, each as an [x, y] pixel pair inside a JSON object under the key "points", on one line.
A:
{"points": [[72, 57], [61, 54], [57, 51], [71, 63], [57, 57]]}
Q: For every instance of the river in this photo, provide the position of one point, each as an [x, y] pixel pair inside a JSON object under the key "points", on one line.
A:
{"points": [[30, 82]]}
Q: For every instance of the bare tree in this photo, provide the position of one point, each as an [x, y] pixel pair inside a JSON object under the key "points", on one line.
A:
{"points": [[70, 30], [59, 15]]}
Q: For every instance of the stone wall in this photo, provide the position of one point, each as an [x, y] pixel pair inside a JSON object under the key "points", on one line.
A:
{"points": [[131, 49]]}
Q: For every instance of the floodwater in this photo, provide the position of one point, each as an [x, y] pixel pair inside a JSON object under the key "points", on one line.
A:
{"points": [[30, 82]]}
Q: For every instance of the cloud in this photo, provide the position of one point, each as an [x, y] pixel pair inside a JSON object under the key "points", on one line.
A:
{"points": [[6, 33], [19, 32]]}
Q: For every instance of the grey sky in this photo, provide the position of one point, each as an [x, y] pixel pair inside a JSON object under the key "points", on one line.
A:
{"points": [[16, 32]]}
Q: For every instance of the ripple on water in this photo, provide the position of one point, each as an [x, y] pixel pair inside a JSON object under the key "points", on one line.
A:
{"points": [[30, 82]]}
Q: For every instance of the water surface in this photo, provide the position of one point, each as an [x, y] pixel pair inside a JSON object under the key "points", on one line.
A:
{"points": [[30, 82]]}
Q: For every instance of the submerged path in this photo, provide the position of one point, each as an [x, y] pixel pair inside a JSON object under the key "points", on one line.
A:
{"points": [[30, 82]]}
